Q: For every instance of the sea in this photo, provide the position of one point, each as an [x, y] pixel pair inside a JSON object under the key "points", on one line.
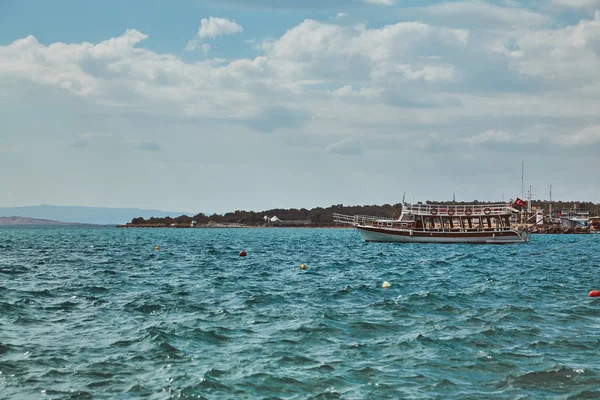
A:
{"points": [[101, 313]]}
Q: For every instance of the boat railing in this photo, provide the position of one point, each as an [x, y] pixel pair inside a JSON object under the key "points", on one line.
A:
{"points": [[458, 209], [576, 213], [357, 219]]}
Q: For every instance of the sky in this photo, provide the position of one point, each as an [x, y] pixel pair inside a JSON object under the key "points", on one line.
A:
{"points": [[215, 106]]}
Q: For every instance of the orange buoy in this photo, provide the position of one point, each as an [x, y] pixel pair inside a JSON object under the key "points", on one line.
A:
{"points": [[243, 253], [594, 293], [302, 266]]}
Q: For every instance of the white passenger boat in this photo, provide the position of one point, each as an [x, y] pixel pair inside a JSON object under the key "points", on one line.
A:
{"points": [[438, 223], [574, 217]]}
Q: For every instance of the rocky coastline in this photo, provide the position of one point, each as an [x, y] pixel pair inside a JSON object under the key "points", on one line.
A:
{"points": [[556, 229]]}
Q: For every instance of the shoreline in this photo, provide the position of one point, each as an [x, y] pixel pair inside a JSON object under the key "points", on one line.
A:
{"points": [[231, 227], [565, 231]]}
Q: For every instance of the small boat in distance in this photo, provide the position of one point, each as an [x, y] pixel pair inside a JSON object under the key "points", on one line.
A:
{"points": [[440, 223], [594, 223]]}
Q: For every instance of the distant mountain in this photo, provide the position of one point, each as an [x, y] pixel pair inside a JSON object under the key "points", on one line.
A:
{"points": [[28, 221], [85, 215]]}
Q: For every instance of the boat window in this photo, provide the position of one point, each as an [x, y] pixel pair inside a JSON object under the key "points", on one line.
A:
{"points": [[404, 225], [389, 224], [380, 223]]}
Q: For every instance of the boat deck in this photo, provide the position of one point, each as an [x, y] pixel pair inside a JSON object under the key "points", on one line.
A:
{"points": [[458, 209]]}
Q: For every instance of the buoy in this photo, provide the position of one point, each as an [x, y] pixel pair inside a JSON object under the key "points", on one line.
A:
{"points": [[157, 248], [594, 293], [243, 253], [386, 285], [302, 266]]}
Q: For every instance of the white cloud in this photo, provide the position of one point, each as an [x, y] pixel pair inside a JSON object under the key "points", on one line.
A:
{"points": [[210, 28], [477, 13], [213, 27], [340, 15], [380, 2], [191, 45], [346, 91], [197, 44], [564, 55], [497, 136], [577, 3], [389, 76], [587, 136], [332, 52], [64, 65], [346, 147], [536, 135]]}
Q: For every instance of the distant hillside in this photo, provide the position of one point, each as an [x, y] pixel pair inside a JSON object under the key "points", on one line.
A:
{"points": [[84, 215], [4, 221]]}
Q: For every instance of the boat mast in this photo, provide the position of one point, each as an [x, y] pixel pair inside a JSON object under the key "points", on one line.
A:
{"points": [[522, 174], [550, 205]]}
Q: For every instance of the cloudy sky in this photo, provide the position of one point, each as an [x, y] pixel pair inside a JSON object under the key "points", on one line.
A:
{"points": [[213, 106]]}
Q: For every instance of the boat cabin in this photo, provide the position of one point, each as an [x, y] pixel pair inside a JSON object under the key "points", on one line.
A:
{"points": [[451, 218]]}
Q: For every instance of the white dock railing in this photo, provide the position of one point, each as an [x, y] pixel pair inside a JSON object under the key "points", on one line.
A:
{"points": [[358, 219]]}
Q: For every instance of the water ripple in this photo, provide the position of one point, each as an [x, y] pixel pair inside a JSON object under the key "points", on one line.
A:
{"points": [[99, 313]]}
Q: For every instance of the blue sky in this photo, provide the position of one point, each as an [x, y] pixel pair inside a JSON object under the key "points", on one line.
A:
{"points": [[222, 105]]}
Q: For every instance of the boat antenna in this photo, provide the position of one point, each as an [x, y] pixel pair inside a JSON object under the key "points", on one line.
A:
{"points": [[550, 205], [522, 188], [403, 197]]}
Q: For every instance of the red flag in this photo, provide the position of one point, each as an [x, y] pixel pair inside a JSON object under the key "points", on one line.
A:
{"points": [[520, 203]]}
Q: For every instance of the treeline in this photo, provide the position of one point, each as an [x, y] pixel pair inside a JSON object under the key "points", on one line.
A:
{"points": [[324, 216], [563, 206], [317, 216]]}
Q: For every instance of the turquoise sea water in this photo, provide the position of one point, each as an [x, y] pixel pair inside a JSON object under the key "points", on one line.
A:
{"points": [[99, 313]]}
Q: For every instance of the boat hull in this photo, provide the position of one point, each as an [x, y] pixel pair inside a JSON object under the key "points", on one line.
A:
{"points": [[375, 234]]}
